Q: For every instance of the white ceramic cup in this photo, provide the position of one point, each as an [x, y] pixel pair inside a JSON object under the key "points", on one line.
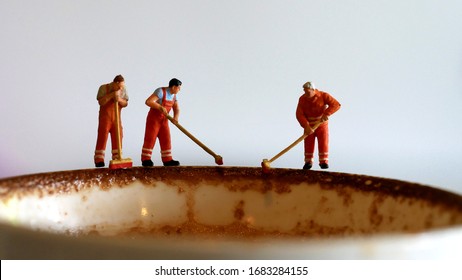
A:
{"points": [[224, 213]]}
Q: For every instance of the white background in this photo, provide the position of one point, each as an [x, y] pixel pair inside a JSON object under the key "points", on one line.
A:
{"points": [[395, 66], [317, 269]]}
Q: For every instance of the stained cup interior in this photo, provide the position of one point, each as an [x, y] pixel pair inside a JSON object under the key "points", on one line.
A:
{"points": [[222, 212]]}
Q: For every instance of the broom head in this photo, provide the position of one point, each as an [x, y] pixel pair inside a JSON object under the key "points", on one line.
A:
{"points": [[120, 163]]}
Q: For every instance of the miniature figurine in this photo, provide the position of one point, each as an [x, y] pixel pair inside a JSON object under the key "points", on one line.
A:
{"points": [[314, 108], [107, 95], [161, 102]]}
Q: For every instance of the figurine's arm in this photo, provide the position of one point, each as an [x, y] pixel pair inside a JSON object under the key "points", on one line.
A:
{"points": [[122, 102], [103, 99], [122, 97], [176, 111], [301, 118], [333, 106], [152, 103]]}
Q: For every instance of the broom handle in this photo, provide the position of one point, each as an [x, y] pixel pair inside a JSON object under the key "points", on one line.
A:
{"points": [[191, 136], [119, 141], [300, 139]]}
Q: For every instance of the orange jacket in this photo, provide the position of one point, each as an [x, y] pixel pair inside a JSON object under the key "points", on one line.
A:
{"points": [[310, 110]]}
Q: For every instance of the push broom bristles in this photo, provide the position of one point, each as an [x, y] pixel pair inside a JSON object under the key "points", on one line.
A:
{"points": [[265, 165], [219, 160], [120, 163]]}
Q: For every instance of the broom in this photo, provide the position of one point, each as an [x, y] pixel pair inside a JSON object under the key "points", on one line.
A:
{"points": [[119, 162], [218, 158], [266, 164]]}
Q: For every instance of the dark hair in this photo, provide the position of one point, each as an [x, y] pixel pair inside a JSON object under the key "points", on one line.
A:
{"points": [[119, 79], [174, 82]]}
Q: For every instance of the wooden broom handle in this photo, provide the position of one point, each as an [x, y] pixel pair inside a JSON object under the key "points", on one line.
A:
{"points": [[192, 136], [300, 139]]}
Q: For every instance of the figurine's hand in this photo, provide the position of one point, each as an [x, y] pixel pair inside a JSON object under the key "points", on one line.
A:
{"points": [[308, 130], [163, 110], [324, 118], [117, 87], [120, 99], [117, 95]]}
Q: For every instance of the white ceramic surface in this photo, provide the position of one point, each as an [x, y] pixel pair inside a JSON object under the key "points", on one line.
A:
{"points": [[224, 213]]}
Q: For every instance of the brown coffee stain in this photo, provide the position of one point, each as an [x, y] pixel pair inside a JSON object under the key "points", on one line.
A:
{"points": [[241, 179], [375, 218], [239, 211]]}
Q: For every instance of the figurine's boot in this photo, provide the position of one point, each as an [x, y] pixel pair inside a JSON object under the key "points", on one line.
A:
{"points": [[172, 163], [308, 165], [147, 163]]}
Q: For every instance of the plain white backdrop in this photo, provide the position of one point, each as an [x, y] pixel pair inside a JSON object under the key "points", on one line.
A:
{"points": [[395, 66]]}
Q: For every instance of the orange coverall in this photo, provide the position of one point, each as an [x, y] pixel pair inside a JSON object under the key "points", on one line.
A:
{"points": [[107, 124], [310, 111], [157, 127]]}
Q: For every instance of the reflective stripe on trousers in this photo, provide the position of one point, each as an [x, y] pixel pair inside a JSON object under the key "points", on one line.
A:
{"points": [[322, 135]]}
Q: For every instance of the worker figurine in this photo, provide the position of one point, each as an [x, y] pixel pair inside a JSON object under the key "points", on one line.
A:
{"points": [[160, 103], [315, 107], [107, 95]]}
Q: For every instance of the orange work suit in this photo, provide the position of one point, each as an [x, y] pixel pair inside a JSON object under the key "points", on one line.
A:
{"points": [[106, 125], [157, 127], [309, 112]]}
